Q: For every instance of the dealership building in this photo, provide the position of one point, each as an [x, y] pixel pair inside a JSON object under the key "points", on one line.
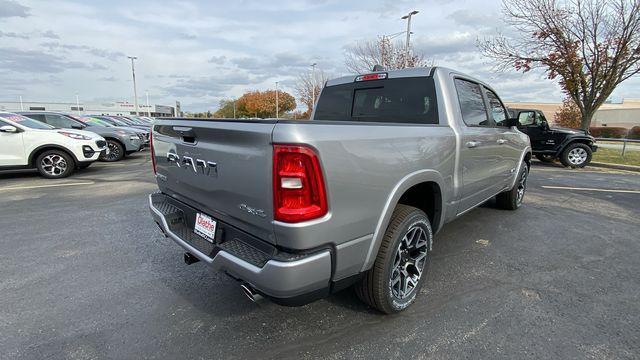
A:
{"points": [[91, 108], [624, 114]]}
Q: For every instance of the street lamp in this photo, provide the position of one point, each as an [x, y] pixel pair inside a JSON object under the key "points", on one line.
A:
{"points": [[148, 108], [408, 18], [277, 107], [78, 104], [135, 91], [313, 86]]}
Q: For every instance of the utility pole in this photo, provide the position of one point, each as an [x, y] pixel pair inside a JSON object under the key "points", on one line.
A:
{"points": [[135, 90], [408, 18], [277, 107], [234, 109], [77, 104], [313, 86], [148, 111], [21, 106]]}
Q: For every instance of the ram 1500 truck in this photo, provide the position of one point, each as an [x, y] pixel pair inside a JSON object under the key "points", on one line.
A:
{"points": [[296, 210]]}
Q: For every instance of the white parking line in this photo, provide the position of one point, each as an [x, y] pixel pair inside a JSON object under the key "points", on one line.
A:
{"points": [[46, 186], [592, 189]]}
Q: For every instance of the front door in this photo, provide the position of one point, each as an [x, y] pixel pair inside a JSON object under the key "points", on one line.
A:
{"points": [[12, 152]]}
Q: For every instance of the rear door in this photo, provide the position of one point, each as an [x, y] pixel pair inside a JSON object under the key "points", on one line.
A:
{"points": [[221, 168], [479, 155]]}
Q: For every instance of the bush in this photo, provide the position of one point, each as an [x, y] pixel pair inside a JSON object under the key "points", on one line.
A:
{"points": [[608, 132], [634, 133]]}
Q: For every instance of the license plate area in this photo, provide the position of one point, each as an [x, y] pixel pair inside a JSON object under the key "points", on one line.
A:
{"points": [[205, 226]]}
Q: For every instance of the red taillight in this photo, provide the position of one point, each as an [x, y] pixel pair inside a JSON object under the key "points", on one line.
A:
{"points": [[153, 153], [298, 185]]}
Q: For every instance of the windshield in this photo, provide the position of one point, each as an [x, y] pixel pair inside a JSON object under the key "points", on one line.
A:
{"points": [[400, 100], [25, 121], [112, 121]]}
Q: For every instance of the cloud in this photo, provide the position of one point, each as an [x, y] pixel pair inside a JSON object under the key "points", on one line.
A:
{"points": [[208, 86], [50, 35], [10, 8], [31, 61], [470, 18], [218, 59], [13, 35], [101, 53]]}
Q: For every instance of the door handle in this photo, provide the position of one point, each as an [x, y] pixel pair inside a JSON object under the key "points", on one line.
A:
{"points": [[472, 144], [502, 141]]}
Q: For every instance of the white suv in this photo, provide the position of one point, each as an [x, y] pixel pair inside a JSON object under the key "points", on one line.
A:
{"points": [[56, 153]]}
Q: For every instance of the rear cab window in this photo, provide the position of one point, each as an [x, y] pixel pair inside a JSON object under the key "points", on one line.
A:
{"points": [[396, 100]]}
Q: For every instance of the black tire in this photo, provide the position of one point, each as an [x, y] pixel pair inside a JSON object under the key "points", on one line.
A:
{"points": [[376, 288], [512, 199], [576, 155], [116, 151], [55, 164], [546, 158]]}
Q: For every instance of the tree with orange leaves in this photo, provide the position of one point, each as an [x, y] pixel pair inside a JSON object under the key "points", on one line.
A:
{"points": [[262, 104]]}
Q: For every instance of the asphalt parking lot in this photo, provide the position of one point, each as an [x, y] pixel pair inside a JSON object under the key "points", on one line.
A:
{"points": [[85, 274]]}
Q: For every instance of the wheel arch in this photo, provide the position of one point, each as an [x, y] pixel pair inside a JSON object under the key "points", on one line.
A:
{"points": [[572, 140], [422, 189], [42, 148]]}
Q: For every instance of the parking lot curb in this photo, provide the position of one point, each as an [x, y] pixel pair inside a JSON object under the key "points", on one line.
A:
{"points": [[616, 166]]}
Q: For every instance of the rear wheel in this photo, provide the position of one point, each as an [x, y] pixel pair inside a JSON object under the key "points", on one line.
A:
{"points": [[55, 164], [576, 155], [399, 271], [545, 158], [512, 199], [115, 151]]}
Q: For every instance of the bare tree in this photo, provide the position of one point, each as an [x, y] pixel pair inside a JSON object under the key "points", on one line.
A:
{"points": [[591, 46], [305, 84], [363, 56]]}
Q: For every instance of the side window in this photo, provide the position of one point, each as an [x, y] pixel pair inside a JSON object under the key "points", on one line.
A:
{"points": [[58, 121], [472, 106], [2, 123], [498, 112], [539, 118], [38, 117], [526, 118]]}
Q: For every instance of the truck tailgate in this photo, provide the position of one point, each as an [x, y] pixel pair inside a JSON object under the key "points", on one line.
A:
{"points": [[219, 167]]}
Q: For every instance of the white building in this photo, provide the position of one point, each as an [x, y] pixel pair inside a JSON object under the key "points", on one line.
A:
{"points": [[89, 108]]}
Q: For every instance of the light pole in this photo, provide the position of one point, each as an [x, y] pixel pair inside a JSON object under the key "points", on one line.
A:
{"points": [[135, 91], [234, 109], [77, 104], [408, 17], [277, 108], [148, 111], [313, 86], [21, 106]]}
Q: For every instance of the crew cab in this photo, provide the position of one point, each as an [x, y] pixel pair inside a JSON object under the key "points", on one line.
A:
{"points": [[298, 209], [573, 147], [55, 153]]}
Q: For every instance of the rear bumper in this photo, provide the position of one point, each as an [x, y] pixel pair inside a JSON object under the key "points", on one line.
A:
{"points": [[291, 279]]}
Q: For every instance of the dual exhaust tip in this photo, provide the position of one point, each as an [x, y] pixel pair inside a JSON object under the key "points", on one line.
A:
{"points": [[247, 290]]}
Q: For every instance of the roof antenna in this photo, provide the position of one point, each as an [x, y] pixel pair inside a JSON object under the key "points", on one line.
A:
{"points": [[379, 68]]}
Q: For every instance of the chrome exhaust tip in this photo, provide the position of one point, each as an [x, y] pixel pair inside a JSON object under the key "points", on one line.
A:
{"points": [[250, 293]]}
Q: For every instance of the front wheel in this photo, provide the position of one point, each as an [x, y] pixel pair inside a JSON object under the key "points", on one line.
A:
{"points": [[399, 271], [55, 164], [115, 151], [576, 155], [512, 199]]}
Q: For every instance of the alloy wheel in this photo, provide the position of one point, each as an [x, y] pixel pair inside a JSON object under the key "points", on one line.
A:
{"points": [[409, 261], [522, 187], [54, 164], [113, 152], [577, 156]]}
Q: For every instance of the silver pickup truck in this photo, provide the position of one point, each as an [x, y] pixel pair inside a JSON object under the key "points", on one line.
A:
{"points": [[297, 210]]}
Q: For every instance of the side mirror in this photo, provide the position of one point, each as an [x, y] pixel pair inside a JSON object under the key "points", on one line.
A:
{"points": [[8, 129], [77, 126]]}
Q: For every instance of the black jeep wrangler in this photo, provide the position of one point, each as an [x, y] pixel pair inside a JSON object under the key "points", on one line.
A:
{"points": [[573, 147]]}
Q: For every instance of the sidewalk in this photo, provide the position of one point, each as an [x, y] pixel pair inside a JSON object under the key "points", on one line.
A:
{"points": [[616, 166]]}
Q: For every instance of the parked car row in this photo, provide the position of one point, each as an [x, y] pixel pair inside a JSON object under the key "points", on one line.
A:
{"points": [[56, 144]]}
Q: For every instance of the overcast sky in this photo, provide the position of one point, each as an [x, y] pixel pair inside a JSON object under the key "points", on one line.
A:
{"points": [[199, 52]]}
